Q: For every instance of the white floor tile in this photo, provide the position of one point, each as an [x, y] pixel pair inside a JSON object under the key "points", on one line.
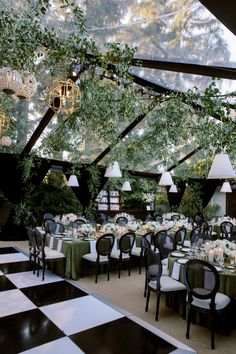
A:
{"points": [[59, 346], [14, 301], [13, 257], [26, 279], [76, 315]]}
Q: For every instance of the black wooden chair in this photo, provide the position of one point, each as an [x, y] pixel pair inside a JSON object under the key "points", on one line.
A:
{"points": [[158, 283], [175, 217], [202, 281], [226, 228], [180, 236], [123, 255], [138, 252], [104, 245], [45, 254], [122, 220]]}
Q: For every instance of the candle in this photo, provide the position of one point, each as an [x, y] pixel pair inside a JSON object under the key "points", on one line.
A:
{"points": [[211, 255]]}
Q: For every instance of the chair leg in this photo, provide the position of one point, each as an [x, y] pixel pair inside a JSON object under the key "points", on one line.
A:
{"points": [[147, 299], [145, 287], [129, 267], [108, 271], [212, 333], [188, 322], [119, 269], [97, 271], [157, 306], [44, 266]]}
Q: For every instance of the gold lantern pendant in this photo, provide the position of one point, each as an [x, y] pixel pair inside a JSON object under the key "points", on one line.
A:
{"points": [[4, 123], [64, 96]]}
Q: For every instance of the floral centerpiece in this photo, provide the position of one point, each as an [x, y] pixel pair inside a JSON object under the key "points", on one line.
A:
{"points": [[86, 229], [167, 216], [129, 217], [225, 245], [133, 225], [109, 227], [67, 218]]}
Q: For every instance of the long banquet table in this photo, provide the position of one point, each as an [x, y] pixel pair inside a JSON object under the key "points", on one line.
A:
{"points": [[227, 277]]}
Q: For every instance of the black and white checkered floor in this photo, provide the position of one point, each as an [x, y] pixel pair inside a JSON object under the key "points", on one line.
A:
{"points": [[57, 317]]}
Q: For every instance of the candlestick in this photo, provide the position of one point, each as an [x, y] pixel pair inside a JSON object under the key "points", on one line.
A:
{"points": [[211, 255]]}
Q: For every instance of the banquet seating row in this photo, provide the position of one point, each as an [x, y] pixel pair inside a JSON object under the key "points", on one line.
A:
{"points": [[201, 283]]}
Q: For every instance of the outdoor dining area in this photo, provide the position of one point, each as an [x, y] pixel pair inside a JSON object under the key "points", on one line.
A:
{"points": [[118, 179]]}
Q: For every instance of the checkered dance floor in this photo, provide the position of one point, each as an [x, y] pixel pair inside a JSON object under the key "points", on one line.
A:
{"points": [[56, 317]]}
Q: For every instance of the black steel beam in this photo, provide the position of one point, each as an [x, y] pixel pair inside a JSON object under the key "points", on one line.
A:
{"points": [[184, 158]]}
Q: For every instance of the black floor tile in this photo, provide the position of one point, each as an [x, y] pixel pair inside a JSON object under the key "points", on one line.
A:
{"points": [[121, 336], [47, 294], [16, 267], [5, 250], [6, 284], [26, 330]]}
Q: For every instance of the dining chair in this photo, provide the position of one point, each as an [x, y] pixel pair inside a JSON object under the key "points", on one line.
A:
{"points": [[180, 236], [165, 244], [138, 252], [33, 252], [56, 228], [45, 254], [104, 245], [195, 234], [158, 218], [226, 228], [175, 217], [123, 254], [202, 282], [122, 220], [80, 221], [158, 283]]}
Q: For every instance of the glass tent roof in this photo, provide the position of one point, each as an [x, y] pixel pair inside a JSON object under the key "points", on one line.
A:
{"points": [[172, 30]]}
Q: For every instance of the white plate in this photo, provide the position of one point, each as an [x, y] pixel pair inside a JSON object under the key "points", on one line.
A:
{"points": [[185, 249], [177, 254], [66, 238], [88, 239], [182, 260], [230, 267], [58, 236]]}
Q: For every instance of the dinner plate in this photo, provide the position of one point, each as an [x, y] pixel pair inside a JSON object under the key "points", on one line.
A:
{"points": [[58, 235], [182, 260], [177, 254], [89, 239], [185, 249], [66, 238], [230, 267]]}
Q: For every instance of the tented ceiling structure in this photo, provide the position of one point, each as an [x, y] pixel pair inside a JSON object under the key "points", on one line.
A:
{"points": [[179, 45]]}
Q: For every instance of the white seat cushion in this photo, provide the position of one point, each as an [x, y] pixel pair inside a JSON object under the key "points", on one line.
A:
{"points": [[165, 270], [168, 284], [92, 257], [116, 255], [136, 251], [221, 302], [51, 254]]}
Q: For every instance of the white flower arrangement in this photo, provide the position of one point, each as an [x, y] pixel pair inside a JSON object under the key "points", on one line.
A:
{"points": [[86, 229], [133, 225], [167, 216], [109, 227], [226, 245], [125, 215]]}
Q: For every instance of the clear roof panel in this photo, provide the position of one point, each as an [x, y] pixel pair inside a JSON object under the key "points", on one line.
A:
{"points": [[172, 30]]}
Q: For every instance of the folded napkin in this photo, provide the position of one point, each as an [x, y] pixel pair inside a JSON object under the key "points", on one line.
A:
{"points": [[175, 271], [114, 248], [92, 246], [59, 245]]}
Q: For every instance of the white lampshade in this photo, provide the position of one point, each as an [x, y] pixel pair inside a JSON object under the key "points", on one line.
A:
{"points": [[221, 167], [126, 186], [113, 170], [166, 179], [173, 189], [73, 181], [226, 188]]}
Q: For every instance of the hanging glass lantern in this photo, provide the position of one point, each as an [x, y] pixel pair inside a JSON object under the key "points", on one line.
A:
{"points": [[64, 96], [29, 86], [10, 81], [4, 123]]}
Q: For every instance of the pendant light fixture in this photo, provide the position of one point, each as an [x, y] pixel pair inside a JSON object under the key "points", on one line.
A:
{"points": [[73, 181], [166, 179], [221, 167], [126, 187], [173, 189], [113, 170], [226, 187]]}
